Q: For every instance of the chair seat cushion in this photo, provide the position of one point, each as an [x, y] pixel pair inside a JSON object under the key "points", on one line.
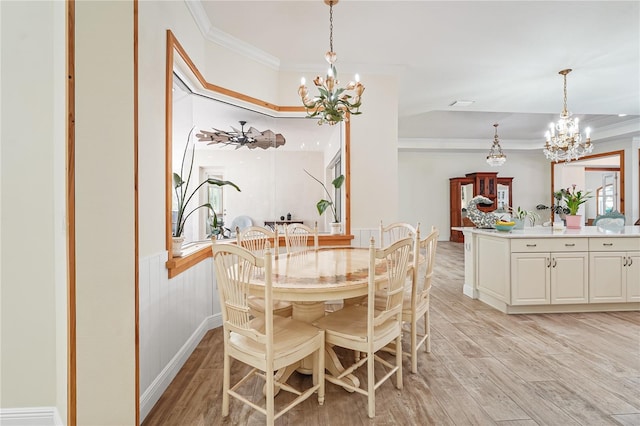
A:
{"points": [[350, 323], [288, 336]]}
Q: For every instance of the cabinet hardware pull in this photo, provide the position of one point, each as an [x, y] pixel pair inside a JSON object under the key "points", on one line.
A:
{"points": [[626, 260], [607, 244], [531, 245], [630, 262], [554, 262], [549, 262], [570, 245]]}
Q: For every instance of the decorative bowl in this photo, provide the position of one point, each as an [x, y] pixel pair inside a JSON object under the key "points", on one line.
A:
{"points": [[504, 228]]}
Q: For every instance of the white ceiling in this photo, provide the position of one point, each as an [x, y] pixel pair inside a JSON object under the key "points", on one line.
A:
{"points": [[504, 55]]}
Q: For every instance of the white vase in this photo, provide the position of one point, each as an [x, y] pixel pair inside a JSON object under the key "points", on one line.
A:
{"points": [[176, 246], [335, 228]]}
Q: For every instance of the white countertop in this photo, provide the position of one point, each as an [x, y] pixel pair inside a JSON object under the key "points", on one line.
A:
{"points": [[549, 232]]}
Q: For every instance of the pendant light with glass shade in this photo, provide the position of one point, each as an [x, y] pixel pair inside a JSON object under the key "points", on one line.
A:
{"points": [[496, 157]]}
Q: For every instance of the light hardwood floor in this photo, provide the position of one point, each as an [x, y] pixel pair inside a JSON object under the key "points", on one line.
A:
{"points": [[485, 368]]}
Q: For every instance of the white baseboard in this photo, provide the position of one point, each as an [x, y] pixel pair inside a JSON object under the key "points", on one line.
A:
{"points": [[30, 416], [152, 394], [468, 290]]}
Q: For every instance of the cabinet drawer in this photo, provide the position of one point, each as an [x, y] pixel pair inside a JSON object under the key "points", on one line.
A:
{"points": [[614, 244], [527, 245], [569, 244]]}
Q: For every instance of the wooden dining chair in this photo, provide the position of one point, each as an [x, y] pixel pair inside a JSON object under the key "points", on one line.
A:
{"points": [[396, 231], [267, 343], [415, 305], [367, 330], [297, 237], [255, 239]]}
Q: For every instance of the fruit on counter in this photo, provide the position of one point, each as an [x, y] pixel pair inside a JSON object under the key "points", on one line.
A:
{"points": [[502, 222]]}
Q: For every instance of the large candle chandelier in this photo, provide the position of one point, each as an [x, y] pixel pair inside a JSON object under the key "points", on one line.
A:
{"points": [[564, 141], [334, 102], [496, 157]]}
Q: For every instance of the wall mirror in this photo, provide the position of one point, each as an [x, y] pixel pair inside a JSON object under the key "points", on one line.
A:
{"points": [[272, 180], [600, 174]]}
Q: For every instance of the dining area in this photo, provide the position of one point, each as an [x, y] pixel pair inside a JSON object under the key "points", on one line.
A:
{"points": [[329, 290], [321, 335]]}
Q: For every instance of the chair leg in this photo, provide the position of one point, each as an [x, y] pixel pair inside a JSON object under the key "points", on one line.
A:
{"points": [[399, 362], [371, 384], [270, 396], [427, 329], [321, 374], [226, 379], [414, 344]]}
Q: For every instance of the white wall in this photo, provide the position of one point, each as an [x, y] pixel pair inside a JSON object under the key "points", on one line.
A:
{"points": [[32, 229], [105, 215], [424, 182]]}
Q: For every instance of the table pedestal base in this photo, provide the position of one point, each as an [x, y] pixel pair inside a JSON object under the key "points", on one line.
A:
{"points": [[309, 312]]}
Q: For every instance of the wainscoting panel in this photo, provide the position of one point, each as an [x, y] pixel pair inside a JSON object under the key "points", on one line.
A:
{"points": [[174, 316], [361, 237]]}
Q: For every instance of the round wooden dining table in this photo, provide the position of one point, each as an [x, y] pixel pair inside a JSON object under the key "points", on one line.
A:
{"points": [[311, 278]]}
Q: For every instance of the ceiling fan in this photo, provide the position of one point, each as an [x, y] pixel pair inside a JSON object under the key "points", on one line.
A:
{"points": [[252, 138]]}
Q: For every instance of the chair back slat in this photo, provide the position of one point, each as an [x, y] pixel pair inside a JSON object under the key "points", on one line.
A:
{"points": [[255, 238], [235, 267], [424, 259], [396, 231], [297, 237], [395, 261]]}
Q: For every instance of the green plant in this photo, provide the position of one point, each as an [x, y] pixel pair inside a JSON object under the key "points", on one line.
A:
{"points": [[521, 214], [181, 187], [323, 204], [573, 199]]}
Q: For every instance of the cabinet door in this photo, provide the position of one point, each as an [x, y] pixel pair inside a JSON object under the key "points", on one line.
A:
{"points": [[530, 278], [569, 278], [607, 277], [633, 276]]}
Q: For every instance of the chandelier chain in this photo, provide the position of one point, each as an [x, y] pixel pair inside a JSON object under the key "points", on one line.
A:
{"points": [[331, 26], [565, 112]]}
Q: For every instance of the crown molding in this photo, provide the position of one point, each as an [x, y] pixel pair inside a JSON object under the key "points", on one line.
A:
{"points": [[227, 41], [444, 144]]}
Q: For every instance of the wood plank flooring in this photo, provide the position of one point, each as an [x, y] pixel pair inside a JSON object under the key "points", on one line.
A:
{"points": [[485, 368]]}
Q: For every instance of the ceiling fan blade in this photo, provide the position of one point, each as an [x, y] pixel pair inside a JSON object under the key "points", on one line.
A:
{"points": [[253, 132]]}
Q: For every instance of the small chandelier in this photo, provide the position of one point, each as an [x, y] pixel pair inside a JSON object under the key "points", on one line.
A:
{"points": [[496, 157], [333, 103], [564, 141]]}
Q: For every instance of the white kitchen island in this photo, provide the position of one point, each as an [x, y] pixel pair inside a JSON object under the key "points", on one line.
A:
{"points": [[539, 269]]}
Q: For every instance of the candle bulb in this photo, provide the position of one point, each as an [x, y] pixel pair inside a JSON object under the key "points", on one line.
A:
{"points": [[588, 132], [303, 81], [357, 77]]}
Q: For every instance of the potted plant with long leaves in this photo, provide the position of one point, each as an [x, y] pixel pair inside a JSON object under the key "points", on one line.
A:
{"points": [[519, 215], [184, 195], [325, 204]]}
